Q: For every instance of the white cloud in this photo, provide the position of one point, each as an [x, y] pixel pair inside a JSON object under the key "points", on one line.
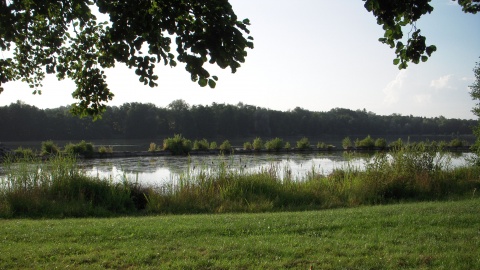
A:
{"points": [[441, 82], [392, 90]]}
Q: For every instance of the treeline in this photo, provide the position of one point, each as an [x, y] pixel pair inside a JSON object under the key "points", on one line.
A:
{"points": [[22, 122]]}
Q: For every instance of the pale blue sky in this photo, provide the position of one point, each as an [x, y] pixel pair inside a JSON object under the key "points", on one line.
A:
{"points": [[316, 55]]}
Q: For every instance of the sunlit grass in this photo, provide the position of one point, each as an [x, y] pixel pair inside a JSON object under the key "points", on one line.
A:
{"points": [[428, 235]]}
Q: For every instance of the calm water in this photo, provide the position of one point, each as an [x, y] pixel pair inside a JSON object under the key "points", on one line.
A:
{"points": [[160, 170], [157, 171]]}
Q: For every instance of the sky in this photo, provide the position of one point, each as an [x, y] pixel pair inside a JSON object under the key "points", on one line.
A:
{"points": [[316, 55]]}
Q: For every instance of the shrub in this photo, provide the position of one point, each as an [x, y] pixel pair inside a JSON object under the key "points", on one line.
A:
{"points": [[275, 144], [213, 146], [321, 145], [49, 148], [201, 145], [346, 143], [25, 153], [381, 143], [367, 143], [396, 145], [456, 143], [82, 148], [153, 147], [247, 146], [257, 144], [303, 143], [225, 146], [177, 145], [105, 149], [287, 145]]}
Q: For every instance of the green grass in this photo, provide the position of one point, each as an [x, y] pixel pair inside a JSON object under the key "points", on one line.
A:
{"points": [[427, 235], [58, 188]]}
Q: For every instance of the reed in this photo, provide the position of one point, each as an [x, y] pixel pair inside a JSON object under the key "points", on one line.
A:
{"points": [[58, 188]]}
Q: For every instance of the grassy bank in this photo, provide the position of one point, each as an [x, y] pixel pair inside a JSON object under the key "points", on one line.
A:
{"points": [[58, 188], [428, 235]]}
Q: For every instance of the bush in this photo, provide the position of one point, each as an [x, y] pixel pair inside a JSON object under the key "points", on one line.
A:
{"points": [[381, 143], [153, 147], [225, 147], [201, 145], [105, 149], [82, 148], [257, 144], [275, 144], [303, 143], [322, 145], [177, 145], [49, 148], [25, 153], [367, 143], [247, 146], [456, 143], [213, 146], [346, 143], [288, 146], [396, 145]]}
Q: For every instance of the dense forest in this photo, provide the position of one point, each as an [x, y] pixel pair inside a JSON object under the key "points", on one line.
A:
{"points": [[22, 122]]}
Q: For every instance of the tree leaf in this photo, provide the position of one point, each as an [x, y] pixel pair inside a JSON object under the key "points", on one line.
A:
{"points": [[211, 83], [202, 82]]}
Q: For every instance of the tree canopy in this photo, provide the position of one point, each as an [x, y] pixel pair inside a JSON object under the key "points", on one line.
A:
{"points": [[65, 37], [393, 15], [475, 94]]}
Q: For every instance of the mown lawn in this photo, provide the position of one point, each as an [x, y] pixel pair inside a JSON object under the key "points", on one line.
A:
{"points": [[428, 235]]}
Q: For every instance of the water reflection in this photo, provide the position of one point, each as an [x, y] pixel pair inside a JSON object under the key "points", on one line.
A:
{"points": [[160, 170], [157, 171]]}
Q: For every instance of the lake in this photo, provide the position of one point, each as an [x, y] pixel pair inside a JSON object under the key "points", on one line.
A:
{"points": [[157, 171]]}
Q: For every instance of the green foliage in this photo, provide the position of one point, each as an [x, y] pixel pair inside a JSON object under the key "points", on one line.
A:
{"points": [[49, 148], [475, 94], [288, 146], [82, 148], [225, 147], [324, 146], [247, 146], [381, 143], [257, 144], [396, 145], [24, 153], [346, 143], [456, 143], [303, 144], [152, 147], [58, 188], [201, 144], [177, 145], [274, 144], [105, 149], [146, 121], [394, 16], [366, 143], [213, 146], [73, 43]]}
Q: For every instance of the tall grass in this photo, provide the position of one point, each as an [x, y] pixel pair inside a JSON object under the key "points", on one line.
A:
{"points": [[58, 187]]}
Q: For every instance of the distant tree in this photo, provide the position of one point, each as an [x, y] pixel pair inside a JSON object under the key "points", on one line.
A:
{"points": [[393, 15], [66, 38]]}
